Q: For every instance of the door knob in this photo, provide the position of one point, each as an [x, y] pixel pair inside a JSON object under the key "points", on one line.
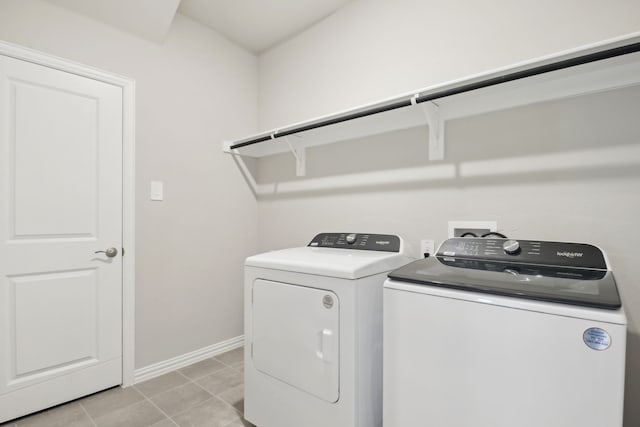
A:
{"points": [[110, 252]]}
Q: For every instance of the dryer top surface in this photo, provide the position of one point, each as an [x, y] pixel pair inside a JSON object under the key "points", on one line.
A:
{"points": [[341, 263]]}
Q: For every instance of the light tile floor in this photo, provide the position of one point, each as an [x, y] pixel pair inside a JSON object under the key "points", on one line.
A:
{"points": [[209, 393]]}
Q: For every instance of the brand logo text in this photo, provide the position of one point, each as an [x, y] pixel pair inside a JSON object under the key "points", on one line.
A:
{"points": [[570, 254]]}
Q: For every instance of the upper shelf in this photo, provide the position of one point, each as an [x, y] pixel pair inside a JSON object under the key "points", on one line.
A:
{"points": [[609, 65]]}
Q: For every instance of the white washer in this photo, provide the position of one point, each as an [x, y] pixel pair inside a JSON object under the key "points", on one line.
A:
{"points": [[313, 331], [501, 333]]}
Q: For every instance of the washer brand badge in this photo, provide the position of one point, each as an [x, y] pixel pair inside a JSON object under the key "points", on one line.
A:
{"points": [[570, 254], [597, 339], [383, 242]]}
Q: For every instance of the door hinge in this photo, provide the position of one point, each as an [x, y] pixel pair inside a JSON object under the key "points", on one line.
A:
{"points": [[122, 251]]}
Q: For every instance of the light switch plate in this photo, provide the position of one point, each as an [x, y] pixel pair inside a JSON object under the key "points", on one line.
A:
{"points": [[157, 190]]}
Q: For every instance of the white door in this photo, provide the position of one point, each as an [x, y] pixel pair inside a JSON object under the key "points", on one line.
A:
{"points": [[296, 337], [60, 201]]}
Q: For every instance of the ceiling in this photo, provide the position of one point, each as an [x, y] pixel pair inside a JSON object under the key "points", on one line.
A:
{"points": [[256, 25], [150, 19]]}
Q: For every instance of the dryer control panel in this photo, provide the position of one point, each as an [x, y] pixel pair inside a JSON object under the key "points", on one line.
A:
{"points": [[361, 241]]}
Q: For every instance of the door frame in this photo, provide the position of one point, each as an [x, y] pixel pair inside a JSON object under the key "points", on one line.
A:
{"points": [[128, 183]]}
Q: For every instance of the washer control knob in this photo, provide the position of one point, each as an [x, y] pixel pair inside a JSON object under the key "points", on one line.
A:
{"points": [[511, 247], [351, 238]]}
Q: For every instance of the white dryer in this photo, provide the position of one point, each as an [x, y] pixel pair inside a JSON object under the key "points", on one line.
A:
{"points": [[313, 331]]}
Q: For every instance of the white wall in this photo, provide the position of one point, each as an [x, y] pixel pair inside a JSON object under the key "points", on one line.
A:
{"points": [[373, 49], [193, 91]]}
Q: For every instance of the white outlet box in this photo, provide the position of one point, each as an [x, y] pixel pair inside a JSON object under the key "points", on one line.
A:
{"points": [[489, 225], [427, 247]]}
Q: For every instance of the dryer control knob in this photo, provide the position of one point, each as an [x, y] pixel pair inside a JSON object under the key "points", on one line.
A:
{"points": [[351, 238], [511, 247]]}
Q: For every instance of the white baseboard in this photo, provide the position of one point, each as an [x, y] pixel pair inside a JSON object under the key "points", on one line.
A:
{"points": [[160, 368]]}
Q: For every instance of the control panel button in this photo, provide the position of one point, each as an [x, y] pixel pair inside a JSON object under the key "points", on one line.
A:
{"points": [[351, 238], [511, 247]]}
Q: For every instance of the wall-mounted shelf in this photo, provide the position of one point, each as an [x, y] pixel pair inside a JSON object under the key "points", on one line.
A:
{"points": [[335, 128], [609, 65]]}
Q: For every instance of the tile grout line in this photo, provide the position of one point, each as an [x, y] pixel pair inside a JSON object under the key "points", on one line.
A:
{"points": [[180, 373], [160, 409], [193, 380], [203, 389], [113, 410], [163, 391], [189, 381], [191, 407], [209, 373], [241, 413], [217, 396], [221, 361], [122, 408], [230, 366], [88, 415], [224, 363], [213, 395]]}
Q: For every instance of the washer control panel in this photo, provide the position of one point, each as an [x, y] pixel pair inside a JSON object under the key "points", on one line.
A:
{"points": [[362, 241], [578, 255]]}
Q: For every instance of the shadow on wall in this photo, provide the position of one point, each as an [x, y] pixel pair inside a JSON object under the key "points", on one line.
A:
{"points": [[583, 137]]}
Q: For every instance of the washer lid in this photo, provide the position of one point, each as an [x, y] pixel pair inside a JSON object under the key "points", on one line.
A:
{"points": [[584, 287], [331, 262]]}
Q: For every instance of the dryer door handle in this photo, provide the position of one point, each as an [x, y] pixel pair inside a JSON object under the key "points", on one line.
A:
{"points": [[325, 345]]}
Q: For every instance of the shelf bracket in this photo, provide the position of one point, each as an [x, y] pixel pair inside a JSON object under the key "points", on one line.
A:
{"points": [[226, 147], [436, 130], [301, 157]]}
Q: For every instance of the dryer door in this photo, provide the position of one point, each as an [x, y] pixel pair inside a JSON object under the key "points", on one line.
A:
{"points": [[296, 336]]}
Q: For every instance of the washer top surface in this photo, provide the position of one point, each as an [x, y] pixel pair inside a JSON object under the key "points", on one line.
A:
{"points": [[565, 273], [331, 255]]}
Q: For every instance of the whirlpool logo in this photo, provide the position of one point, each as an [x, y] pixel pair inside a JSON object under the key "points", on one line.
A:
{"points": [[570, 254], [383, 242]]}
